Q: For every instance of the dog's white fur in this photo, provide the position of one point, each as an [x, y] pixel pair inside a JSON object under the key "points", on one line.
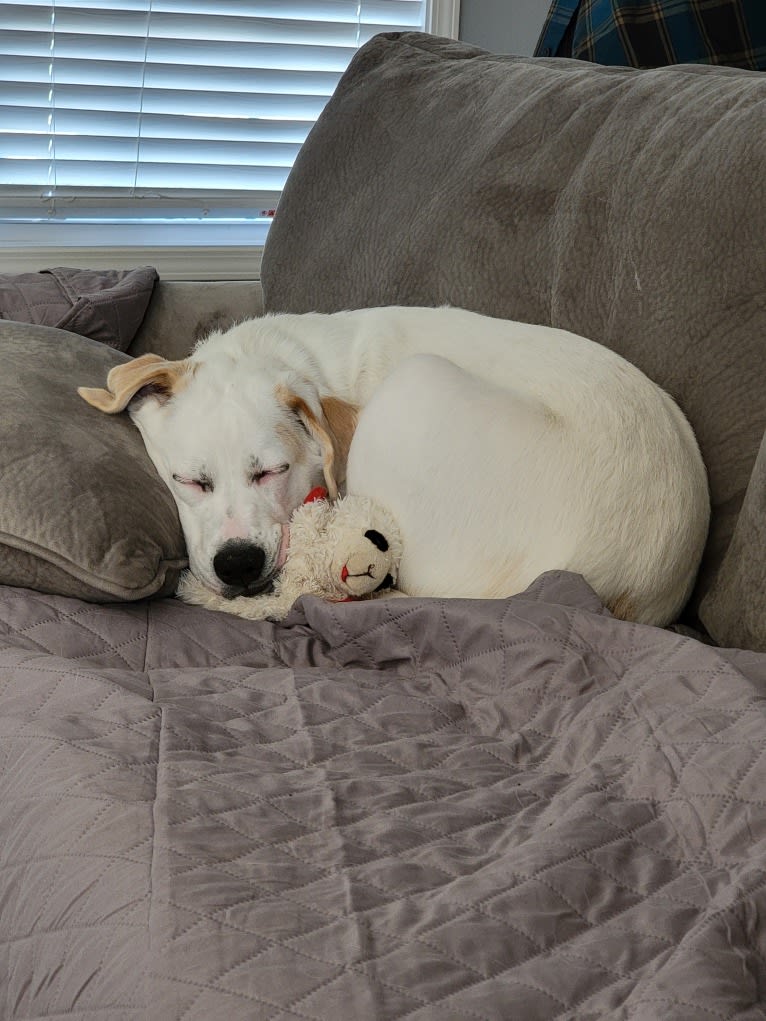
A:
{"points": [[512, 449]]}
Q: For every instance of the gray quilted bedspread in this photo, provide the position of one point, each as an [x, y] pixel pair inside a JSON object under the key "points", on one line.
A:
{"points": [[453, 811]]}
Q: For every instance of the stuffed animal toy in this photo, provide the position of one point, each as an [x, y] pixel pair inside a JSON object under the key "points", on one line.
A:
{"points": [[341, 551]]}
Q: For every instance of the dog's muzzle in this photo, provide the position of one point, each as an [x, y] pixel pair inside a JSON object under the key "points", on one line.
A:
{"points": [[239, 565]]}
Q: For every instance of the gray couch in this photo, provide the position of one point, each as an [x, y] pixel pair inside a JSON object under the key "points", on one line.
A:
{"points": [[418, 809], [183, 312]]}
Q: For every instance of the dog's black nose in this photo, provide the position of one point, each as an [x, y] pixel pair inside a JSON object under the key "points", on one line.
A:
{"points": [[239, 563]]}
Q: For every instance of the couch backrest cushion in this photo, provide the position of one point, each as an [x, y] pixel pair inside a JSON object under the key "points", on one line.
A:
{"points": [[625, 205], [183, 312]]}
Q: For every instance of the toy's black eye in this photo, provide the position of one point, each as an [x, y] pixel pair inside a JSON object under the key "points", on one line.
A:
{"points": [[377, 540], [388, 582]]}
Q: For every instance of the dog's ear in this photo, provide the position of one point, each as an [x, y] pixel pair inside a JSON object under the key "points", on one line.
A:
{"points": [[340, 420], [161, 379], [332, 428]]}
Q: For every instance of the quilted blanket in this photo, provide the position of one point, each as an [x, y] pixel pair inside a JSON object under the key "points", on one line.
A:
{"points": [[432, 810]]}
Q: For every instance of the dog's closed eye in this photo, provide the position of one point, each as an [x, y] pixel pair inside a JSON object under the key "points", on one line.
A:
{"points": [[263, 475], [202, 484]]}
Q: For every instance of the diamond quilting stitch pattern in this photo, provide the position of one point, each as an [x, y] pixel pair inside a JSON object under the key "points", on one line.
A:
{"points": [[412, 808]]}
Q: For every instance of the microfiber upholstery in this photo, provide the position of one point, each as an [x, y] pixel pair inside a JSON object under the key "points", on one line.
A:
{"points": [[736, 601], [105, 305], [82, 509], [183, 312], [624, 205]]}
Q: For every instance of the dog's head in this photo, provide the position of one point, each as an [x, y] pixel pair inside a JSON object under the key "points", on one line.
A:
{"points": [[239, 440]]}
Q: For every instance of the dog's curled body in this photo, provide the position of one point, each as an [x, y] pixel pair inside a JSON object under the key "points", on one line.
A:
{"points": [[535, 449], [613, 489]]}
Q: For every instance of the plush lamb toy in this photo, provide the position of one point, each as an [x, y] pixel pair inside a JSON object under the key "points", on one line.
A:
{"points": [[342, 551]]}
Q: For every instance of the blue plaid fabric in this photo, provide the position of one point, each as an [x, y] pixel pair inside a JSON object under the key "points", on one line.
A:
{"points": [[638, 33]]}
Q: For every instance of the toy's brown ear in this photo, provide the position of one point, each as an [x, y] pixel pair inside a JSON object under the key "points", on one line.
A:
{"points": [[333, 431], [124, 381]]}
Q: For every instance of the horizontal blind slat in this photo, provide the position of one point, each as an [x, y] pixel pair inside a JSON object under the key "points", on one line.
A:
{"points": [[100, 40], [300, 106], [325, 10], [186, 153], [131, 25], [113, 173], [91, 125], [183, 80]]}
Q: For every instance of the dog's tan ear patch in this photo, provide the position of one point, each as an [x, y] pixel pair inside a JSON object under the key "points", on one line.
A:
{"points": [[336, 415], [341, 418], [124, 381], [316, 429]]}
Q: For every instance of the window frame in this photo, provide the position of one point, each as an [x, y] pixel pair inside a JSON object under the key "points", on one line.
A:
{"points": [[179, 251]]}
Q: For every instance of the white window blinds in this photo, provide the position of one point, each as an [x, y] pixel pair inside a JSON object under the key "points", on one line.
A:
{"points": [[168, 108]]}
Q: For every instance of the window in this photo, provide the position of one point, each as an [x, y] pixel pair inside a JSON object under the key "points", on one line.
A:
{"points": [[162, 123]]}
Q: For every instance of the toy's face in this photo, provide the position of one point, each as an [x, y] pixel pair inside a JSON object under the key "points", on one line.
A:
{"points": [[367, 569]]}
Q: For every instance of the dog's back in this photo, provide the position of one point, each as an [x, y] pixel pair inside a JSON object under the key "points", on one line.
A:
{"points": [[592, 469]]}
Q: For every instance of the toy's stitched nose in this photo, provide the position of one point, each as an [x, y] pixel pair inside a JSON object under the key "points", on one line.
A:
{"points": [[239, 563]]}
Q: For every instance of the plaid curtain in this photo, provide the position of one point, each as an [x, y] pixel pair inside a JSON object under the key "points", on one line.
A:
{"points": [[652, 33]]}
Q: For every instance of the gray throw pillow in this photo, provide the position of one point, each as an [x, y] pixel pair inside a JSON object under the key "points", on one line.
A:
{"points": [[82, 510], [106, 305], [620, 204]]}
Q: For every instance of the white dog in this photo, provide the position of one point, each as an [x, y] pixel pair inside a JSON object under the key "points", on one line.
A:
{"points": [[503, 450]]}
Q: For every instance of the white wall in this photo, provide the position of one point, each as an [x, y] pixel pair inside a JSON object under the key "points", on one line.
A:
{"points": [[503, 26]]}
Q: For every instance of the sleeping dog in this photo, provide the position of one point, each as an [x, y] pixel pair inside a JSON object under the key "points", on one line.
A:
{"points": [[502, 449]]}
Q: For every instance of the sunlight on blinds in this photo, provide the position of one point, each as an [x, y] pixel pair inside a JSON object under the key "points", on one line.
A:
{"points": [[169, 107]]}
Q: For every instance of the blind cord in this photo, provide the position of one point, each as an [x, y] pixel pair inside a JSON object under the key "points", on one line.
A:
{"points": [[51, 177], [141, 99]]}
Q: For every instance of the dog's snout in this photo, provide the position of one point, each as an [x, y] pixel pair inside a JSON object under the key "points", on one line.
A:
{"points": [[239, 564]]}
